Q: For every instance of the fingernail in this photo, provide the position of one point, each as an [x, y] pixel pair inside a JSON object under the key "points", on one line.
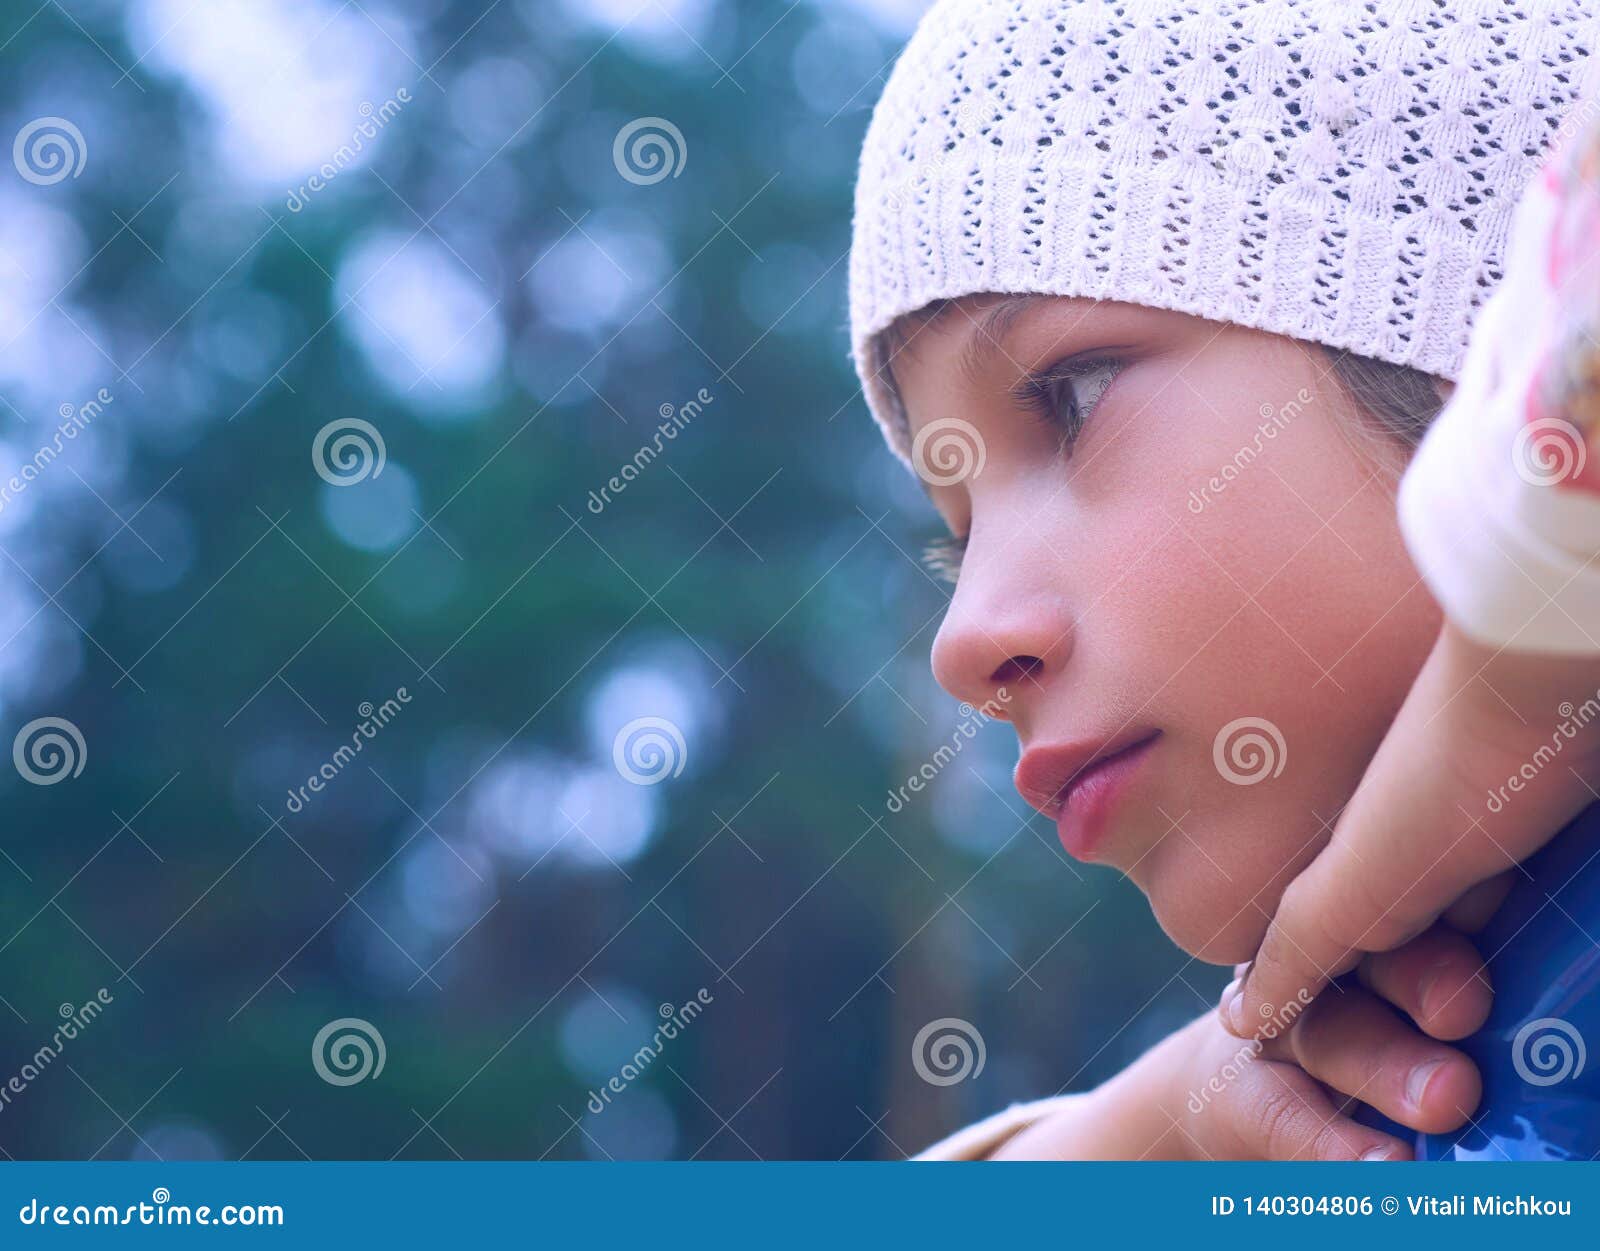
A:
{"points": [[1226, 998], [1376, 1155], [1417, 1083], [1233, 1009]]}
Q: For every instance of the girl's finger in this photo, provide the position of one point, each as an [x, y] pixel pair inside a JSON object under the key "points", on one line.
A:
{"points": [[1360, 1048], [1228, 991], [1438, 980], [1275, 1111], [1406, 847]]}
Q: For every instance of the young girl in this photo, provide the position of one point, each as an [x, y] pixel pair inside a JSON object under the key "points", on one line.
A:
{"points": [[1156, 299]]}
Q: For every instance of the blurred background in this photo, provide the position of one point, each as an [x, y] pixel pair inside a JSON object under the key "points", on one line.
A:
{"points": [[455, 610]]}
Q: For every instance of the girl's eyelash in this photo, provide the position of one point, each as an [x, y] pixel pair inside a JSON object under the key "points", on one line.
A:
{"points": [[1053, 395], [942, 557]]}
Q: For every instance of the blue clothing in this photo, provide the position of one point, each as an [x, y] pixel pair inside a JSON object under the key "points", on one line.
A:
{"points": [[1541, 1089]]}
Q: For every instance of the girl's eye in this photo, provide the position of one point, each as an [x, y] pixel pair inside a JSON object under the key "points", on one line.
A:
{"points": [[942, 558], [1063, 396]]}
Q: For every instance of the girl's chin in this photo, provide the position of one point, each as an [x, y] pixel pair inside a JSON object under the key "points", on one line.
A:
{"points": [[1216, 934]]}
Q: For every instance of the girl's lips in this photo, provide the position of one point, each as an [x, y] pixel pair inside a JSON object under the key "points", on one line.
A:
{"points": [[1080, 785]]}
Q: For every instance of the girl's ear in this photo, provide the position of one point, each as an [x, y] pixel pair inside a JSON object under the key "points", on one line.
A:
{"points": [[1445, 388]]}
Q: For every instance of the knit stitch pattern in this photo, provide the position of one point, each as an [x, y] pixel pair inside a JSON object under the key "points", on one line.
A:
{"points": [[1335, 170]]}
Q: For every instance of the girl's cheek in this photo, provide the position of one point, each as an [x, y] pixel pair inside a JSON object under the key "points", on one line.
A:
{"points": [[1285, 587]]}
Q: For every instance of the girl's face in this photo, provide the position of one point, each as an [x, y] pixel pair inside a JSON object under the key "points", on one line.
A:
{"points": [[1181, 564]]}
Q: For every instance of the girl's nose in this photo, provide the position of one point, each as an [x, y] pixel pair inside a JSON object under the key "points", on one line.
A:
{"points": [[1002, 637]]}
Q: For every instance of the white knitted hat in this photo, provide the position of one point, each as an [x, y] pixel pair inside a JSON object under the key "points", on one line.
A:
{"points": [[1341, 171]]}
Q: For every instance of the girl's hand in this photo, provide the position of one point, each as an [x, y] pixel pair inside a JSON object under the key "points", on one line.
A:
{"points": [[1294, 1101], [1491, 754], [1497, 742], [1201, 1094]]}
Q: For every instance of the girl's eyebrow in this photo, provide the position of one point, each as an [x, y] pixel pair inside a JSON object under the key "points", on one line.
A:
{"points": [[996, 322]]}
